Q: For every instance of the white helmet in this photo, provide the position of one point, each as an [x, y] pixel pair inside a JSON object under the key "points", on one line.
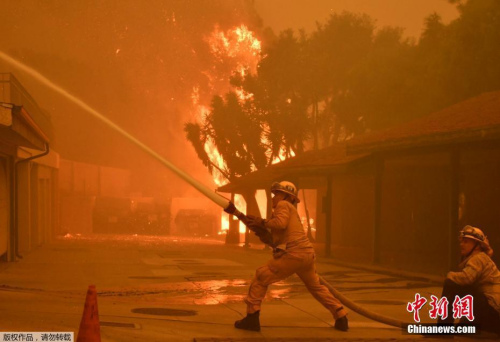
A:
{"points": [[473, 233], [477, 234], [287, 188]]}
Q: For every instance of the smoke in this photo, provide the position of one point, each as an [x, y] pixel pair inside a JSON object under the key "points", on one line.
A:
{"points": [[136, 62]]}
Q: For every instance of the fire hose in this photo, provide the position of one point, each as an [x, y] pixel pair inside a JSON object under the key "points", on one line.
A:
{"points": [[360, 310], [224, 203], [265, 236]]}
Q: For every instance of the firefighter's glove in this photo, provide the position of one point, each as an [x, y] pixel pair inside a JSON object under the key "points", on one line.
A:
{"points": [[258, 226], [278, 253], [254, 221]]}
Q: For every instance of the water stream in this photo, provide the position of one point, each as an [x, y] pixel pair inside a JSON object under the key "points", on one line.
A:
{"points": [[219, 200]]}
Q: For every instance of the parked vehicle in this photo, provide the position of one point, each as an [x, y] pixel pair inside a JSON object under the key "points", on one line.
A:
{"points": [[130, 216], [196, 222]]}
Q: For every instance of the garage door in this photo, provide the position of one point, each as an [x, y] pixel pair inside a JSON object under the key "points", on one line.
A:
{"points": [[4, 207]]}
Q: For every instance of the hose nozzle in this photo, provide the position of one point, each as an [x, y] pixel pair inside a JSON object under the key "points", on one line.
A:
{"points": [[231, 210]]}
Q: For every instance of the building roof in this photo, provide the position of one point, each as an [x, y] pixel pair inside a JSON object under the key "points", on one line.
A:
{"points": [[309, 163], [474, 119], [24, 123]]}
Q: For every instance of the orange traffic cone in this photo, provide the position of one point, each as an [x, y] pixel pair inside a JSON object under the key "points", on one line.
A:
{"points": [[90, 330]]}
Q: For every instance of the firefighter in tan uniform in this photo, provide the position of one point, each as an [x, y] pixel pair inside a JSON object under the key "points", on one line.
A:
{"points": [[478, 276], [292, 253]]}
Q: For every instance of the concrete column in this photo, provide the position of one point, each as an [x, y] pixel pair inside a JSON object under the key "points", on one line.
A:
{"points": [[36, 239], [233, 234], [4, 208], [42, 210], [24, 207], [327, 208], [252, 209], [48, 210], [269, 209], [56, 224]]}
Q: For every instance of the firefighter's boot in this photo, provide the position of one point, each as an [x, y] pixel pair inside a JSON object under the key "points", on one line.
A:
{"points": [[341, 323], [250, 322]]}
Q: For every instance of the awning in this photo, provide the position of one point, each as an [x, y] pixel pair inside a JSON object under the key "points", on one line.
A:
{"points": [[311, 163], [17, 128]]}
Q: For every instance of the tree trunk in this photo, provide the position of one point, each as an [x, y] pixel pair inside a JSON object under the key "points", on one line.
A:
{"points": [[252, 209], [315, 125], [233, 234]]}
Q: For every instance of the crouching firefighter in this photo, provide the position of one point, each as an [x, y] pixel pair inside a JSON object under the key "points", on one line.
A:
{"points": [[292, 254], [479, 277]]}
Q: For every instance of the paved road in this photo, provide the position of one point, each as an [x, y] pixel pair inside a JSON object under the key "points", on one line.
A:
{"points": [[180, 289]]}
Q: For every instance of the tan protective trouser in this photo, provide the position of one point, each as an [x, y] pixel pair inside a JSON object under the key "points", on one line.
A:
{"points": [[283, 267]]}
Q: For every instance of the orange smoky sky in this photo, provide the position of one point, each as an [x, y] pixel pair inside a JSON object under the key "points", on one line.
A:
{"points": [[137, 62], [303, 14]]}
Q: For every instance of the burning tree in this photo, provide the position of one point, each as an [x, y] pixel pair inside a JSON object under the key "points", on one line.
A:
{"points": [[234, 132], [227, 136], [345, 78]]}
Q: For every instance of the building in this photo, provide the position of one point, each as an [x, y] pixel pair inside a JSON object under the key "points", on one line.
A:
{"points": [[432, 176], [80, 184], [28, 172], [399, 197]]}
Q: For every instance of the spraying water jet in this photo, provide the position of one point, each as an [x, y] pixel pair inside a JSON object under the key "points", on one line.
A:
{"points": [[224, 203], [218, 199]]}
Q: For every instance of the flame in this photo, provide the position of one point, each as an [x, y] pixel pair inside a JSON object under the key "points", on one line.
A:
{"points": [[239, 47], [240, 203], [217, 159], [195, 96], [224, 224], [238, 43], [282, 153], [282, 156], [261, 198], [243, 95], [240, 51]]}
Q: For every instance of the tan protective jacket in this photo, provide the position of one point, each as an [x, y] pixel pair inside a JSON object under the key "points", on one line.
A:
{"points": [[479, 270], [286, 229]]}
